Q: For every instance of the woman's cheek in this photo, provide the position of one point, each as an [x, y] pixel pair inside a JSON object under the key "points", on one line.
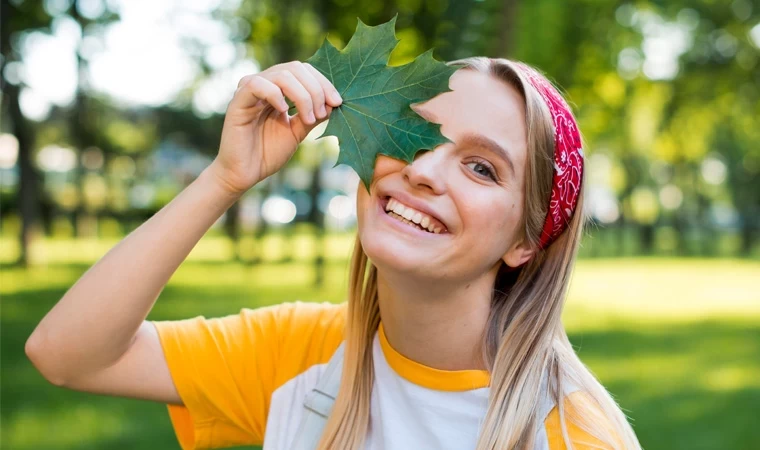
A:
{"points": [[385, 165]]}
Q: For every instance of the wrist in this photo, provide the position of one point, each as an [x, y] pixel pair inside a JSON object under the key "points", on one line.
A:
{"points": [[219, 184]]}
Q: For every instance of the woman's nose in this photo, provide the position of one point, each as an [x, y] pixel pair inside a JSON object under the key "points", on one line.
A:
{"points": [[427, 171]]}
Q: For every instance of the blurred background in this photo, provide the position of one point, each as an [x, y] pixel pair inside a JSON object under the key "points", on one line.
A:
{"points": [[110, 108]]}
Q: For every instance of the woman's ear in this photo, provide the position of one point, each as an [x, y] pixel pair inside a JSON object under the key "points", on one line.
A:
{"points": [[520, 253]]}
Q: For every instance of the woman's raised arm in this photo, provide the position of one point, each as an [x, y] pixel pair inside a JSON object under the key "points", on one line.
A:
{"points": [[95, 338]]}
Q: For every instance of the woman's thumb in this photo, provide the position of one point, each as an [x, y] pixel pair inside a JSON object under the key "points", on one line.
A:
{"points": [[300, 129]]}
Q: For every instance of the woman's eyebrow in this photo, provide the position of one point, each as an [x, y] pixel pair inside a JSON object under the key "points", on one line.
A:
{"points": [[473, 139], [478, 140]]}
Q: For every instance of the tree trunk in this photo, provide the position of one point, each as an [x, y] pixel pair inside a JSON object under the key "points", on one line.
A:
{"points": [[317, 219], [232, 228], [263, 227], [646, 235], [706, 232], [621, 236], [680, 228], [748, 237], [508, 21], [81, 137], [29, 178]]}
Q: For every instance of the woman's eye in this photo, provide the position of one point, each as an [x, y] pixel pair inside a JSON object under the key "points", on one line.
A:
{"points": [[482, 169]]}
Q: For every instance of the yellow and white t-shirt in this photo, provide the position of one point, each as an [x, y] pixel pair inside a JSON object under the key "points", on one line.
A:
{"points": [[243, 379]]}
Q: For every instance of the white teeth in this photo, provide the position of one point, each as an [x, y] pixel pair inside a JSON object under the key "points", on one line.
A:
{"points": [[411, 216]]}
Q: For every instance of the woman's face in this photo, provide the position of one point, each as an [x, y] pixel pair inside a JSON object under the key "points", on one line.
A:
{"points": [[470, 190]]}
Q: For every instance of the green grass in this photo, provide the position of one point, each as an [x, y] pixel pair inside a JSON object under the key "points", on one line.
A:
{"points": [[677, 342]]}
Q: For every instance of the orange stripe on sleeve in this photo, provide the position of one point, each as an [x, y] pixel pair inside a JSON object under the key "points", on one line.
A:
{"points": [[226, 369]]}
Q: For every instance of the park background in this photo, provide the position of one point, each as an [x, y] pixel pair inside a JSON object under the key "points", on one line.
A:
{"points": [[110, 108]]}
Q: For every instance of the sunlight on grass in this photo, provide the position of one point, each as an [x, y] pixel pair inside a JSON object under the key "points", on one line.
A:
{"points": [[15, 279], [662, 290], [731, 378], [273, 246]]}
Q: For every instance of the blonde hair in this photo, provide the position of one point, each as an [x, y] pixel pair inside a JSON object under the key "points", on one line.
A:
{"points": [[525, 341]]}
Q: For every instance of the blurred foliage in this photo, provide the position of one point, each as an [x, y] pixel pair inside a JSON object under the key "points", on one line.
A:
{"points": [[667, 96]]}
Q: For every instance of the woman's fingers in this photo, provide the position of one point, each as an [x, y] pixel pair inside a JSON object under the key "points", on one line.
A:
{"points": [[294, 90], [253, 88], [333, 97], [301, 129], [313, 94], [311, 84]]}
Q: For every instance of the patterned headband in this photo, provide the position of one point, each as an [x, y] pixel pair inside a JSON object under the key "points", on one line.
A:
{"points": [[568, 158]]}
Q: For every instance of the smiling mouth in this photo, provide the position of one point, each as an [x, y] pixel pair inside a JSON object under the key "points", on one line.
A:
{"points": [[412, 217]]}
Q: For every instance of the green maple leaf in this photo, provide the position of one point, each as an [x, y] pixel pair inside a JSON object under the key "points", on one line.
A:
{"points": [[375, 116]]}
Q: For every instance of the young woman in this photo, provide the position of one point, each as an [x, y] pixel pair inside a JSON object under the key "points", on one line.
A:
{"points": [[451, 336]]}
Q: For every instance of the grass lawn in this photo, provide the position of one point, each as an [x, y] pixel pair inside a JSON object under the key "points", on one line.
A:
{"points": [[677, 342]]}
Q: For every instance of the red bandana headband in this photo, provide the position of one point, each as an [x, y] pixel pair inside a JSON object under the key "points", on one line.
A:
{"points": [[568, 158]]}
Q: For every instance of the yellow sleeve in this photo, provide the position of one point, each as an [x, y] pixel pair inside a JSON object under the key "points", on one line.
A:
{"points": [[226, 369], [581, 440]]}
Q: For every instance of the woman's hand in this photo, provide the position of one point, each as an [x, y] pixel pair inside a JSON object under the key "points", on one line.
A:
{"points": [[259, 137]]}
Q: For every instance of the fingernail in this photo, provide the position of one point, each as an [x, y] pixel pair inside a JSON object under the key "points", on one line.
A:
{"points": [[310, 117], [336, 97], [322, 111]]}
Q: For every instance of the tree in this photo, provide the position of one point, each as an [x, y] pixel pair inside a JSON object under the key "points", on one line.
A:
{"points": [[13, 19]]}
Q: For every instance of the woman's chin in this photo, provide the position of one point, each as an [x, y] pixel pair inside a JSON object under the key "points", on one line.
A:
{"points": [[395, 255]]}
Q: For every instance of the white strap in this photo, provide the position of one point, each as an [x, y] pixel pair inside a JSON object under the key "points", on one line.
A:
{"points": [[318, 404]]}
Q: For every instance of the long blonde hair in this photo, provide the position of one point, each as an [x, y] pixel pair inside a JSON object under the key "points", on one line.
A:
{"points": [[524, 338]]}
